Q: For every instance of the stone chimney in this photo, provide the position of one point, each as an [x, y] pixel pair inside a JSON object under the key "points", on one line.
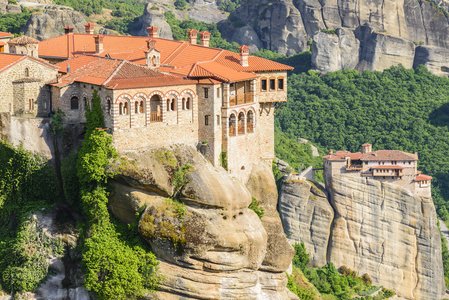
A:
{"points": [[331, 152], [244, 53], [89, 27], [98, 43], [205, 36], [366, 148], [152, 31], [193, 36], [68, 29]]}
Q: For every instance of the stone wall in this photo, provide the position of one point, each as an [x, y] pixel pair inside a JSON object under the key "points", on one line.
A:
{"points": [[25, 90]]}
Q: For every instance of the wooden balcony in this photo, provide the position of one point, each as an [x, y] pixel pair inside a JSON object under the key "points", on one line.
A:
{"points": [[241, 99], [354, 168], [155, 116]]}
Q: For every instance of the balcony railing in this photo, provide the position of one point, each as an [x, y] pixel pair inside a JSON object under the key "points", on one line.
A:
{"points": [[354, 167], [155, 116], [241, 99]]}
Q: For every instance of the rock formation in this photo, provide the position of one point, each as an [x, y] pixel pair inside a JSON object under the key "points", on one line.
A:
{"points": [[385, 32], [153, 15], [49, 23], [212, 246], [307, 217], [378, 228], [436, 59]]}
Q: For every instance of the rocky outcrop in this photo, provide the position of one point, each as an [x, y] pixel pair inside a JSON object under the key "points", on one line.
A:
{"points": [[333, 52], [436, 59], [380, 229], [49, 23], [210, 244], [385, 32], [153, 16], [307, 217], [386, 231], [7, 8]]}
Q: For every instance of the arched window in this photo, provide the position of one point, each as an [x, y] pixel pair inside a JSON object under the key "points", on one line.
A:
{"points": [[125, 108], [232, 124], [27, 72], [168, 105], [136, 107], [173, 104], [241, 123], [141, 109], [120, 110], [250, 121], [74, 103], [108, 106], [155, 109], [188, 103], [31, 104], [184, 104]]}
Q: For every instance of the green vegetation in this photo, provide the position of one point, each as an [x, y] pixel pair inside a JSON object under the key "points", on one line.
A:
{"points": [[180, 179], [13, 23], [445, 255], [302, 62], [228, 5], [329, 31], [331, 283], [257, 208], [396, 109], [24, 249], [224, 160], [124, 267], [181, 4], [179, 29]]}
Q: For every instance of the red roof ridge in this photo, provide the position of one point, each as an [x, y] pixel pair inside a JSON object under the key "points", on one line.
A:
{"points": [[218, 54], [114, 73], [184, 43]]}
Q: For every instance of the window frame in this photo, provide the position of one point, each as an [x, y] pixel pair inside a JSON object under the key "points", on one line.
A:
{"points": [[262, 80]]}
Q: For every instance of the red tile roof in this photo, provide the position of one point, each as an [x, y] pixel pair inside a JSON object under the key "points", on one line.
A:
{"points": [[388, 168], [340, 155], [7, 60], [423, 177], [392, 155], [23, 40], [115, 74], [179, 54], [5, 34]]}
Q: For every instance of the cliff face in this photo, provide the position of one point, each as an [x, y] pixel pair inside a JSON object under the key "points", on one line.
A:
{"points": [[378, 228], [212, 246], [287, 26]]}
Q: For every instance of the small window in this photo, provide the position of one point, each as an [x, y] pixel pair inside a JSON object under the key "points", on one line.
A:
{"points": [[108, 107], [141, 110], [188, 103], [264, 85], [280, 83], [173, 107], [168, 105], [206, 120], [218, 120], [206, 92], [125, 108], [85, 102], [218, 92], [136, 107], [27, 72], [272, 84], [74, 103]]}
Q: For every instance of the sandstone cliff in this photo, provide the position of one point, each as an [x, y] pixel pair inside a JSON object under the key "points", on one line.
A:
{"points": [[212, 246], [377, 228], [394, 29]]}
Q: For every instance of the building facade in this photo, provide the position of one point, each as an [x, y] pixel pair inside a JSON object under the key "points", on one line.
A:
{"points": [[392, 166]]}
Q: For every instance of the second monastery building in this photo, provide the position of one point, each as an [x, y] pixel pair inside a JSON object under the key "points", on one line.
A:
{"points": [[156, 92]]}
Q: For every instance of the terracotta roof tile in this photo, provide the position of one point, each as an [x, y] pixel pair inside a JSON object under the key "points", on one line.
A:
{"points": [[6, 60], [75, 63], [5, 34], [23, 40], [179, 54], [423, 177], [392, 155]]}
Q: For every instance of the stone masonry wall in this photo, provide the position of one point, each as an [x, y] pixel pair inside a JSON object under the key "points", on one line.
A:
{"points": [[36, 70]]}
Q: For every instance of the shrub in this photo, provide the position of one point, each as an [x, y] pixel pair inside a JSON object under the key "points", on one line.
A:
{"points": [[301, 258], [257, 208]]}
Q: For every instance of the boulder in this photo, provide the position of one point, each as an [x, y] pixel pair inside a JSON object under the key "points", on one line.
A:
{"points": [[391, 234], [306, 217], [209, 243]]}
